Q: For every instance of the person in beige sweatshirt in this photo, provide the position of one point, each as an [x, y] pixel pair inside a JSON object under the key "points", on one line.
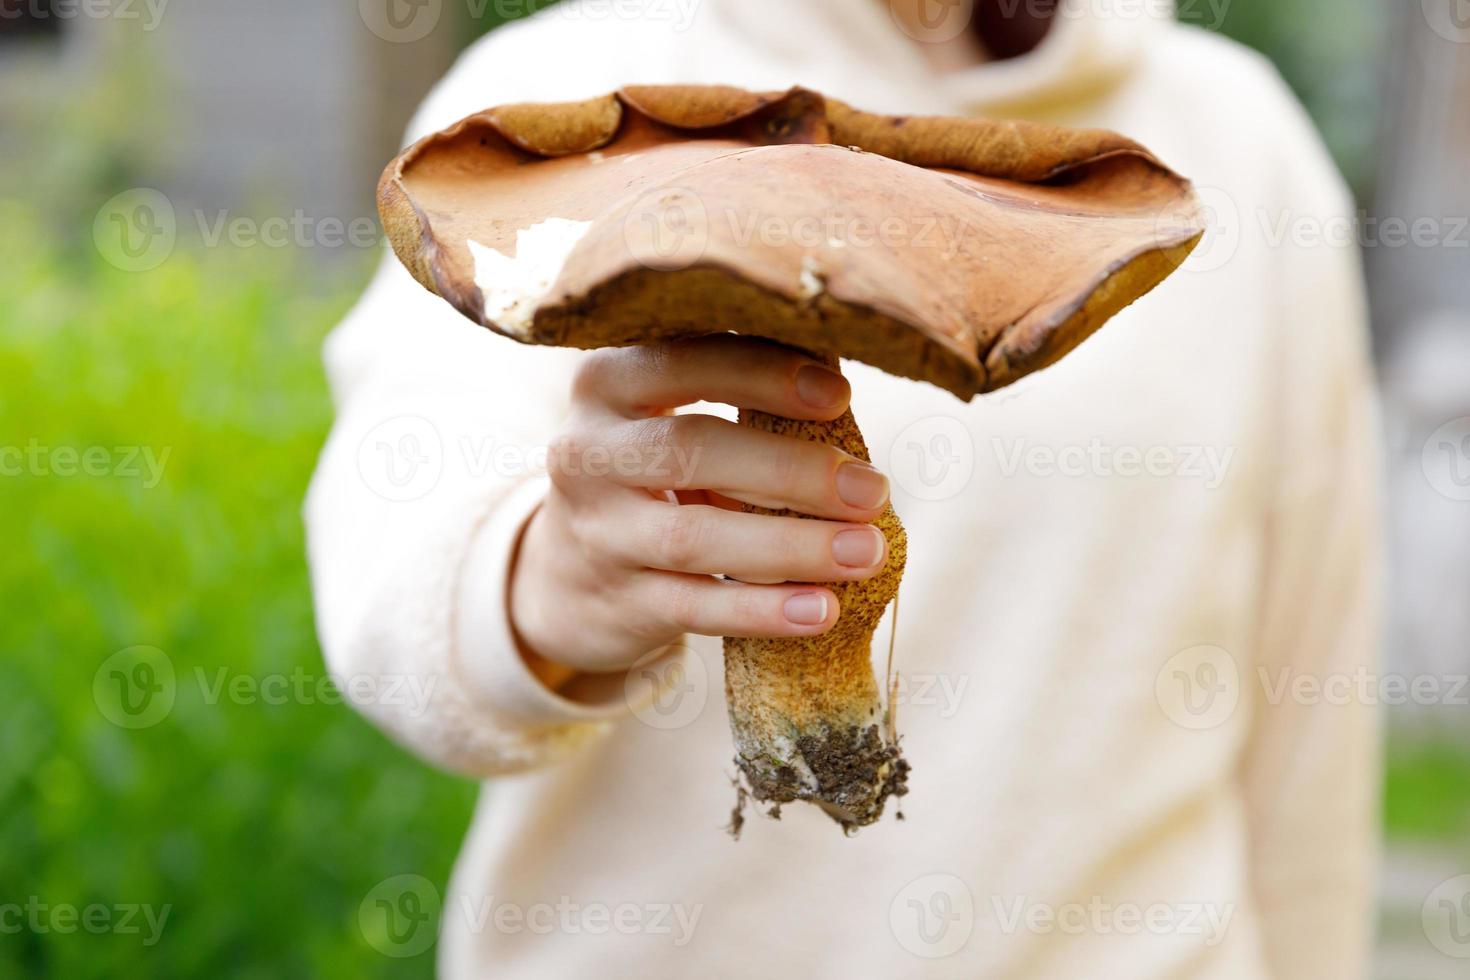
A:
{"points": [[1120, 569]]}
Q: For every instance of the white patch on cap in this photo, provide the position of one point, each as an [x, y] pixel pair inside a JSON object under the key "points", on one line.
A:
{"points": [[514, 287], [811, 278]]}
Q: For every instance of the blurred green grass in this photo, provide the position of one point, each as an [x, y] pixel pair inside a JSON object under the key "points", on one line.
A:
{"points": [[1427, 792], [1331, 54], [263, 826]]}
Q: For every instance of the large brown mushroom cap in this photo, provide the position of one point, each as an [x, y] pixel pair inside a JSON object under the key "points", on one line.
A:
{"points": [[965, 252]]}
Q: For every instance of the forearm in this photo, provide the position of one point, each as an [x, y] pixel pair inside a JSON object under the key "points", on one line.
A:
{"points": [[417, 503]]}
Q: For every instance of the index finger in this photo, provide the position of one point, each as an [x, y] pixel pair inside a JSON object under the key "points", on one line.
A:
{"points": [[742, 371]]}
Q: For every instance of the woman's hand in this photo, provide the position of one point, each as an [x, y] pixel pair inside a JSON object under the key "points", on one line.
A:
{"points": [[611, 567]]}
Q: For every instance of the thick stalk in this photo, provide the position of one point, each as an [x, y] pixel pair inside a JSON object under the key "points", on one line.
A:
{"points": [[807, 715]]}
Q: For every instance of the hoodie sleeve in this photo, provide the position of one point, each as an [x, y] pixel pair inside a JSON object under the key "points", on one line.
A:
{"points": [[430, 472], [425, 483], [1311, 771]]}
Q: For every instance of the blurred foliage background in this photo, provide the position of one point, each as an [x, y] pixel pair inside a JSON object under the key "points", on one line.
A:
{"points": [[1330, 52], [263, 826]]}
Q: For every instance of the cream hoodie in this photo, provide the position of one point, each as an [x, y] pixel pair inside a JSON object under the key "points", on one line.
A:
{"points": [[1126, 574]]}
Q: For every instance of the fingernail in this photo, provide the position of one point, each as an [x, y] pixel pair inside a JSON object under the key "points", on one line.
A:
{"points": [[819, 387], [809, 609], [859, 485], [857, 547]]}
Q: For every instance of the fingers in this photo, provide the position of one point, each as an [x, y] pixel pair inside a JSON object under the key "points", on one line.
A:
{"points": [[684, 452], [741, 371], [706, 540], [712, 607]]}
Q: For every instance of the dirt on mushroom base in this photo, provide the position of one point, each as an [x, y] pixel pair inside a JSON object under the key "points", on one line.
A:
{"points": [[856, 771]]}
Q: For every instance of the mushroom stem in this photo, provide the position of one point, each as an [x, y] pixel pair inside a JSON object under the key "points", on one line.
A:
{"points": [[806, 712]]}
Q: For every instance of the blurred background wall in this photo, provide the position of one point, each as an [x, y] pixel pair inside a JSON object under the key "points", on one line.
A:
{"points": [[218, 104], [271, 822], [1420, 295]]}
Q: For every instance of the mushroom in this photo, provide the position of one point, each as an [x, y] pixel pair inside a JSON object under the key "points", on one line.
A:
{"points": [[963, 252]]}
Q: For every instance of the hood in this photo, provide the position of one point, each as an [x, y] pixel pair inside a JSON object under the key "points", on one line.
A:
{"points": [[1091, 47]]}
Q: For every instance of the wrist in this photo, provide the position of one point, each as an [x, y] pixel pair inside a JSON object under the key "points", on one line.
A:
{"points": [[486, 656], [523, 605]]}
